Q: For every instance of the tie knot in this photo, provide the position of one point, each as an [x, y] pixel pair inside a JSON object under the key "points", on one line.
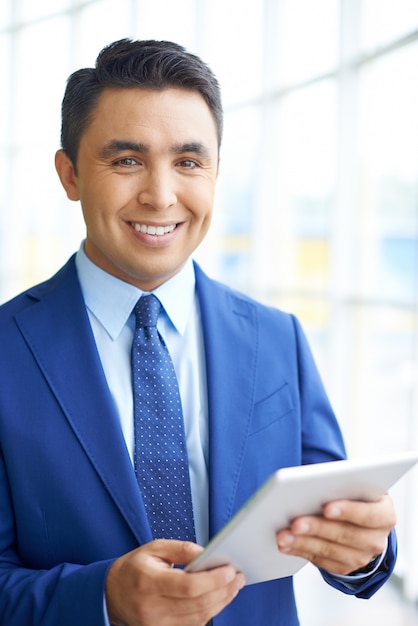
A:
{"points": [[147, 310]]}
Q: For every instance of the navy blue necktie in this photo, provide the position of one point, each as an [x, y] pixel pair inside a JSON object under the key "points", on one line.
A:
{"points": [[161, 462]]}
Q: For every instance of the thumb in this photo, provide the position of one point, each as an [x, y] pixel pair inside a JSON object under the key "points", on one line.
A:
{"points": [[174, 551]]}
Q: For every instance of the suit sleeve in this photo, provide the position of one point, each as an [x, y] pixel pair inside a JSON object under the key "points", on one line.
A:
{"points": [[366, 586]]}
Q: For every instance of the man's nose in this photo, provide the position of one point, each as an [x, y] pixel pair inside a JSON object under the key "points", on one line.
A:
{"points": [[158, 188]]}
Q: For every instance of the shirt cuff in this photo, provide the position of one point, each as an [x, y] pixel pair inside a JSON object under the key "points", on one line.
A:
{"points": [[105, 615], [364, 573]]}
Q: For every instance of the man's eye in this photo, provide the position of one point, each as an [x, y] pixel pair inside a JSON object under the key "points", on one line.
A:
{"points": [[189, 164], [126, 162]]}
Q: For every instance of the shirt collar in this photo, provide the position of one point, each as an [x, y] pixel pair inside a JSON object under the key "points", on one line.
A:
{"points": [[112, 300]]}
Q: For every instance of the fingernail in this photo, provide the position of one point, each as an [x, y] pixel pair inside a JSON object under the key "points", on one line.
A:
{"points": [[333, 511], [241, 581], [230, 575], [302, 527], [286, 540]]}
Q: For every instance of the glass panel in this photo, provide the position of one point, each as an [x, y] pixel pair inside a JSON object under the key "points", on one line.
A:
{"points": [[6, 158], [44, 227], [307, 39], [232, 44], [6, 90], [233, 221], [173, 21], [384, 21], [385, 379], [34, 244], [98, 25], [28, 10], [306, 163], [389, 178], [41, 72], [5, 13], [314, 314], [4, 208]]}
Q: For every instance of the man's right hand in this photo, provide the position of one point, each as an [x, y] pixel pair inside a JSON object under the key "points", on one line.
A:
{"points": [[144, 589]]}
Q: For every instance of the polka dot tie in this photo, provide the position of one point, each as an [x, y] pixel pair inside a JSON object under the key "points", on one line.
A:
{"points": [[161, 462]]}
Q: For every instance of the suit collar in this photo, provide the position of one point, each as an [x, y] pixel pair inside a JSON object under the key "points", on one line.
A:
{"points": [[112, 300], [108, 298]]}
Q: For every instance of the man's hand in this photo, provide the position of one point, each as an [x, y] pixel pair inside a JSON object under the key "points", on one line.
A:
{"points": [[143, 588], [347, 537]]}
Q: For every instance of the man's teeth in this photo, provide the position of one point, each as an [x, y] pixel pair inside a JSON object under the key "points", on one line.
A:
{"points": [[154, 230]]}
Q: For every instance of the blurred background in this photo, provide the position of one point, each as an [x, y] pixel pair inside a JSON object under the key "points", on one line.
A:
{"points": [[317, 203]]}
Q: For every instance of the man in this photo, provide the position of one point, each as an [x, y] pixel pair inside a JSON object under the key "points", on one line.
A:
{"points": [[141, 134]]}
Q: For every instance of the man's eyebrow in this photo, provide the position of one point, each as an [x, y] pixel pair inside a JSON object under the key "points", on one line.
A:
{"points": [[192, 146], [116, 146]]}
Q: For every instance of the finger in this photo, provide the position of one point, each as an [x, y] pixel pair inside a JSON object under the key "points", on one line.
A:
{"points": [[184, 611], [380, 514], [205, 606], [161, 554], [370, 541], [195, 584], [335, 558]]}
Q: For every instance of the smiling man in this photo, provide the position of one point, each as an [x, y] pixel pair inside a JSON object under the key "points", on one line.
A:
{"points": [[155, 400]]}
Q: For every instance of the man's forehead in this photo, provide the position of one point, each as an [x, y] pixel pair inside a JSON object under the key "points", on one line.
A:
{"points": [[122, 113], [150, 96]]}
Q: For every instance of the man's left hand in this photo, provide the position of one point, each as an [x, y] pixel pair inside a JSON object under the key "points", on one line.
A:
{"points": [[345, 539]]}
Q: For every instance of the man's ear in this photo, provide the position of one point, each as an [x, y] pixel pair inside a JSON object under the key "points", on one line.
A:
{"points": [[67, 175]]}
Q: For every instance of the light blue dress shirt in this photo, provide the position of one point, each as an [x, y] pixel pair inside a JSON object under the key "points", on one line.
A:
{"points": [[109, 303]]}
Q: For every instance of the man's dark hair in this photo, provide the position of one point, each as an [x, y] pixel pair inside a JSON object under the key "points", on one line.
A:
{"points": [[124, 64]]}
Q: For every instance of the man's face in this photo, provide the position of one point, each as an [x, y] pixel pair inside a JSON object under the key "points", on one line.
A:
{"points": [[146, 173]]}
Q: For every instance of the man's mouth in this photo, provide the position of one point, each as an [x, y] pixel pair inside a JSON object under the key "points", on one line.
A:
{"points": [[159, 231]]}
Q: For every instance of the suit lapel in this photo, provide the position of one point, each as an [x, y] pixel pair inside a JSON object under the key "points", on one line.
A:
{"points": [[57, 331], [230, 335]]}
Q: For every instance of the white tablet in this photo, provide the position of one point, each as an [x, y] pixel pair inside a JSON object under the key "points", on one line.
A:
{"points": [[248, 541]]}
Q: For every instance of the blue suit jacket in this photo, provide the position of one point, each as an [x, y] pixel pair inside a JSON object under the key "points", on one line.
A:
{"points": [[69, 500]]}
